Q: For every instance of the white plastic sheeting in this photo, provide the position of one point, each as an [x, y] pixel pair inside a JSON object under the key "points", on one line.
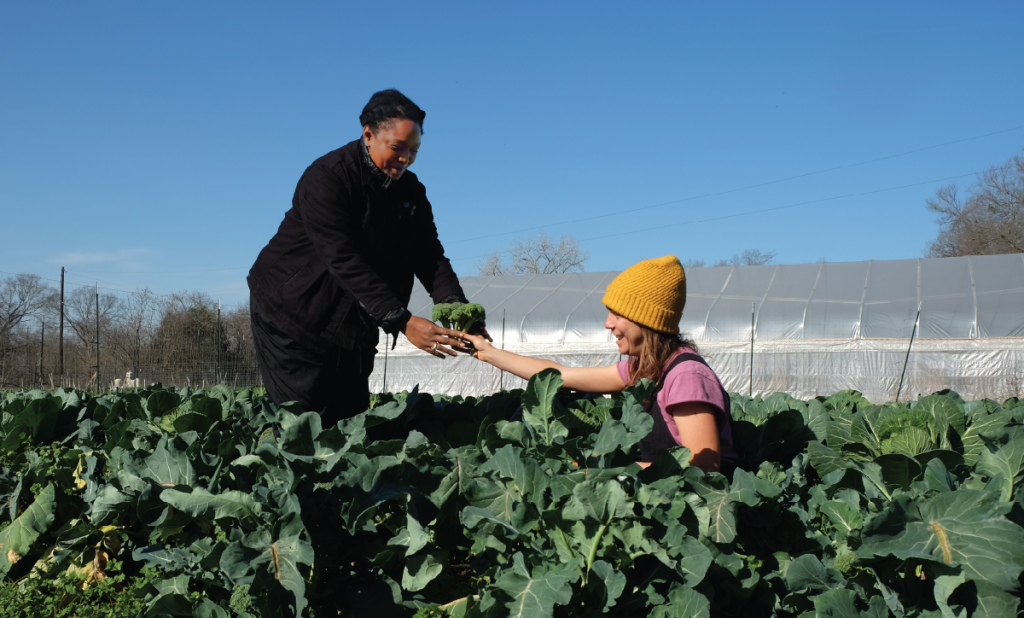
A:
{"points": [[817, 328]]}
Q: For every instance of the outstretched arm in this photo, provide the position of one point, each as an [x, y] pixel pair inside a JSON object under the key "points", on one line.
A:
{"points": [[588, 379]]}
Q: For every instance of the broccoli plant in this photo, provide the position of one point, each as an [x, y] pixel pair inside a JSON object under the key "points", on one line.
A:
{"points": [[460, 316]]}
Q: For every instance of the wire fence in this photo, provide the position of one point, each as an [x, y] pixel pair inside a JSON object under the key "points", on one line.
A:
{"points": [[113, 338]]}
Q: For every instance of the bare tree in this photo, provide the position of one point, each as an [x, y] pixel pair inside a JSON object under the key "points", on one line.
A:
{"points": [[753, 257], [81, 317], [538, 255], [188, 325], [749, 257], [492, 266], [990, 220], [21, 296], [129, 335], [170, 339], [238, 330], [80, 313]]}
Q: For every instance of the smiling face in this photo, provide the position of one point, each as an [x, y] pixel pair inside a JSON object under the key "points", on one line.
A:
{"points": [[628, 336], [393, 148]]}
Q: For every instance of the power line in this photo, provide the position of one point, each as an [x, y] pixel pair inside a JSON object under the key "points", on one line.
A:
{"points": [[237, 287], [160, 272], [631, 210], [745, 213], [231, 289], [762, 210], [68, 272], [109, 289], [83, 285], [738, 189]]}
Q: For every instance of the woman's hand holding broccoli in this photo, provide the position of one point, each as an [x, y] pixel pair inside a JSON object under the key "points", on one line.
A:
{"points": [[480, 346]]}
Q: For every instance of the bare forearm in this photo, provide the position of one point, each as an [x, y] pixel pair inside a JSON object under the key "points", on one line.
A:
{"points": [[523, 366], [589, 379]]}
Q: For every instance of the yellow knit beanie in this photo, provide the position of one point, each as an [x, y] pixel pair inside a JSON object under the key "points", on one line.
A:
{"points": [[651, 293]]}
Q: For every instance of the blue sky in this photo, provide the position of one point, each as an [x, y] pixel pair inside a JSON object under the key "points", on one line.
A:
{"points": [[158, 145]]}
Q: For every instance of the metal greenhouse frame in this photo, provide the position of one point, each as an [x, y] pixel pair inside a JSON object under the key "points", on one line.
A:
{"points": [[805, 329]]}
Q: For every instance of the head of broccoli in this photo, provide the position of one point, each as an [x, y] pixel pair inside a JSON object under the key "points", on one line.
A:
{"points": [[460, 316], [440, 314]]}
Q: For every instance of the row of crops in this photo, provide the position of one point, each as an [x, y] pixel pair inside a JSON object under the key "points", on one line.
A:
{"points": [[527, 503]]}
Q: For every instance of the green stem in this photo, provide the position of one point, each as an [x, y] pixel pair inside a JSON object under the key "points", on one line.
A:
{"points": [[569, 551], [880, 486], [593, 548], [215, 479]]}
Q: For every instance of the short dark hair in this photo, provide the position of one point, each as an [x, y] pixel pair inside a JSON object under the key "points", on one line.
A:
{"points": [[389, 105]]}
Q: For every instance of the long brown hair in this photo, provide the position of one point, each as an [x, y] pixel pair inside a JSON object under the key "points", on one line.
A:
{"points": [[655, 353]]}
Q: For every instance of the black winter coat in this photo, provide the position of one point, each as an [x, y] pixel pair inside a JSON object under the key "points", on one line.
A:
{"points": [[351, 242]]}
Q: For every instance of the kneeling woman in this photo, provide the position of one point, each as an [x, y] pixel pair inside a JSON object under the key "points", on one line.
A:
{"points": [[689, 405]]}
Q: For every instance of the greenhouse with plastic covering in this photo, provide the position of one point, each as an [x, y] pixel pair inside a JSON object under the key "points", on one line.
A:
{"points": [[890, 329]]}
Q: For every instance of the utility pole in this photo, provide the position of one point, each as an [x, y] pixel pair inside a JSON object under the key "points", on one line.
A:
{"points": [[216, 376], [138, 347], [42, 347], [97, 336], [60, 334]]}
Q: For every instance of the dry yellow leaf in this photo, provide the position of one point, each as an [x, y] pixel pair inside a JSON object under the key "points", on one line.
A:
{"points": [[111, 541], [79, 481], [99, 565], [277, 561]]}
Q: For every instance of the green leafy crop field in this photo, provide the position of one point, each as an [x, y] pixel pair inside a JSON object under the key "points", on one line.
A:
{"points": [[164, 502]]}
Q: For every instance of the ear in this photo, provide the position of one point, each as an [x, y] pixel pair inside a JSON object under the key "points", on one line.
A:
{"points": [[367, 134]]}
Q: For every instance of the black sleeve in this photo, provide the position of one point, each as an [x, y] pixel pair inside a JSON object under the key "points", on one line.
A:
{"points": [[434, 270], [332, 222]]}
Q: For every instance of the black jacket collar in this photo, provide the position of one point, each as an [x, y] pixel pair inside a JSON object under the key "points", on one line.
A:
{"points": [[377, 176]]}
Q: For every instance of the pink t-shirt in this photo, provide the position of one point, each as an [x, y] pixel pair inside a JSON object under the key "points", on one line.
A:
{"points": [[691, 381]]}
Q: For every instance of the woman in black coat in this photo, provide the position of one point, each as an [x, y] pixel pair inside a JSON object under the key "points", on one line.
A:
{"points": [[342, 264]]}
